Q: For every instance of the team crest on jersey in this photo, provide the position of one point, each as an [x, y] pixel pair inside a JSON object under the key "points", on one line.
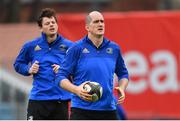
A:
{"points": [[63, 47], [109, 50], [37, 48], [85, 50]]}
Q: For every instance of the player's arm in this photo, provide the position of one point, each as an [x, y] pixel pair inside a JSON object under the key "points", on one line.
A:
{"points": [[123, 83], [66, 70], [78, 90], [21, 64], [121, 88], [123, 77]]}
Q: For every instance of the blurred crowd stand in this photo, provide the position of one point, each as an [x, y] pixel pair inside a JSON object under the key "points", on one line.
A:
{"points": [[27, 10]]}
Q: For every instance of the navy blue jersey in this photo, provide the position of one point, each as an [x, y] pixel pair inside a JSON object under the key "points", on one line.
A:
{"points": [[85, 62], [44, 87]]}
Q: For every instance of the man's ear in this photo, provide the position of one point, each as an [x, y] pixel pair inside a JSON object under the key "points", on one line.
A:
{"points": [[87, 27]]}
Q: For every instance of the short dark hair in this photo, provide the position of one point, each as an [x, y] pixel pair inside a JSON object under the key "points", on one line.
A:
{"points": [[46, 12]]}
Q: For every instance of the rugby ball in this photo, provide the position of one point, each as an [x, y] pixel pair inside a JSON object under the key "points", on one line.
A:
{"points": [[95, 89]]}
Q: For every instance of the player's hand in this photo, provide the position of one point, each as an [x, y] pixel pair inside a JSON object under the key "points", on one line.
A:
{"points": [[55, 68], [122, 95], [34, 68], [83, 94]]}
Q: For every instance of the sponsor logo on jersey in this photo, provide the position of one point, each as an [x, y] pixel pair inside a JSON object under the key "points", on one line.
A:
{"points": [[109, 50], [37, 48], [85, 50], [63, 47]]}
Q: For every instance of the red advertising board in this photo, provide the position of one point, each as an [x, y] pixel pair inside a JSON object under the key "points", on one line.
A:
{"points": [[150, 43]]}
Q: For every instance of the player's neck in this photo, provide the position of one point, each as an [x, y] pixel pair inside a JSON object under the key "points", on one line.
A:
{"points": [[51, 38], [96, 40]]}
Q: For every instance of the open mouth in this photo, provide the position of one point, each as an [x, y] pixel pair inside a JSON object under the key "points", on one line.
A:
{"points": [[52, 29], [100, 29]]}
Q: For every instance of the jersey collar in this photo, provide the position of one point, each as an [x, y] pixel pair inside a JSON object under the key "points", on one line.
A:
{"points": [[104, 43], [46, 41]]}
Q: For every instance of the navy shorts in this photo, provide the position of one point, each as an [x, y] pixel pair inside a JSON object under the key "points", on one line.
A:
{"points": [[47, 110], [81, 114]]}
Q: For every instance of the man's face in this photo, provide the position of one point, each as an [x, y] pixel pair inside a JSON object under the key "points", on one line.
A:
{"points": [[49, 26], [96, 26]]}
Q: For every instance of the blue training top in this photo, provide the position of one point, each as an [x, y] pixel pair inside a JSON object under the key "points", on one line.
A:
{"points": [[85, 62], [44, 87]]}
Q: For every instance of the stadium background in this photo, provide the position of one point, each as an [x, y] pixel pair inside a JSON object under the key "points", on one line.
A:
{"points": [[146, 30]]}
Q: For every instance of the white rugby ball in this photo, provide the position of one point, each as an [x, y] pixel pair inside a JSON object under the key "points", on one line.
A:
{"points": [[95, 89]]}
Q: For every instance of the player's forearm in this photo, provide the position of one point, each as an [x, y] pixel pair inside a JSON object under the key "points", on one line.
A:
{"points": [[123, 83], [67, 85], [22, 68]]}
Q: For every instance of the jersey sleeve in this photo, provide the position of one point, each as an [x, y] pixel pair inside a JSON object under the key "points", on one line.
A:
{"points": [[121, 70], [21, 64], [68, 64]]}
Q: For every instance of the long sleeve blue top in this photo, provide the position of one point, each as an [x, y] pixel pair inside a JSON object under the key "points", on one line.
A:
{"points": [[44, 87], [86, 62]]}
